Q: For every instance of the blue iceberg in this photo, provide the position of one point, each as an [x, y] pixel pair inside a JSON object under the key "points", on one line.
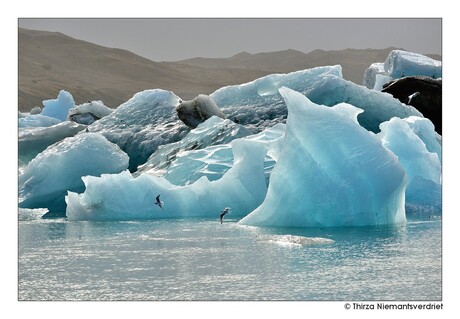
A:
{"points": [[59, 107], [332, 172], [34, 140], [123, 196], [416, 144], [213, 131], [214, 161], [400, 64], [143, 123], [47, 178], [258, 104], [37, 120]]}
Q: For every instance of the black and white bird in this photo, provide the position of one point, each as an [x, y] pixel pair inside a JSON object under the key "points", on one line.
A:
{"points": [[159, 202], [223, 212]]}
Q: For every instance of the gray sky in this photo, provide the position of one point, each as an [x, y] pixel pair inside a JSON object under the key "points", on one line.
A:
{"points": [[175, 39]]}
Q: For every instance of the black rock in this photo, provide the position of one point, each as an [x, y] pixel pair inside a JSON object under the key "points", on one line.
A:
{"points": [[423, 93]]}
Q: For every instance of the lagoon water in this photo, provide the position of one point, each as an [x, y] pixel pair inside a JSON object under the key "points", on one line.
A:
{"points": [[201, 259]]}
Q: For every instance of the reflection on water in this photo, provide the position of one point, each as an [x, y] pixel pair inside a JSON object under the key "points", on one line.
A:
{"points": [[196, 259]]}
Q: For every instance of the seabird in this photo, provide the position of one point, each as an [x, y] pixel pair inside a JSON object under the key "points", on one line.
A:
{"points": [[222, 214], [159, 202]]}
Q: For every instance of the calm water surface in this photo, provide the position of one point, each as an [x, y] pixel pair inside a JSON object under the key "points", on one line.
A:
{"points": [[200, 259]]}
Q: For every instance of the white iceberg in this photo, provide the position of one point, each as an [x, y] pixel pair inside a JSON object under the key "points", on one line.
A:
{"points": [[332, 172], [123, 197], [47, 178]]}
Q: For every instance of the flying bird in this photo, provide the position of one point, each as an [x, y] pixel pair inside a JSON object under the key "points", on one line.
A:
{"points": [[223, 212], [159, 202]]}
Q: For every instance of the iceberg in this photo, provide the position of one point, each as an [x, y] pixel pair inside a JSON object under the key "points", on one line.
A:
{"points": [[331, 173], [400, 64], [214, 161], [33, 141], [141, 124], [47, 178], [88, 113], [59, 107], [124, 197], [414, 141], [37, 120], [375, 76], [213, 131], [258, 105]]}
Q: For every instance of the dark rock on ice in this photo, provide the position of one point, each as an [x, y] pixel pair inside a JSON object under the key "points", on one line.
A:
{"points": [[89, 112], [36, 110], [198, 110], [422, 92], [85, 118]]}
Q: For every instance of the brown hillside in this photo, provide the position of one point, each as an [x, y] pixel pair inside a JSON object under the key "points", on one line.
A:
{"points": [[51, 61]]}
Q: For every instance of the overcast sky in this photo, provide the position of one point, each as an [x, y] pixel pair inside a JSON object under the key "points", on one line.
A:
{"points": [[176, 39]]}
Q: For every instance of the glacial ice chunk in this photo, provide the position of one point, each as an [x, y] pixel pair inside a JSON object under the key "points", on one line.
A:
{"points": [[410, 139], [213, 131], [59, 107], [331, 172], [47, 178], [257, 105], [401, 63], [214, 161], [123, 196], [143, 123], [32, 141], [37, 120], [370, 76]]}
